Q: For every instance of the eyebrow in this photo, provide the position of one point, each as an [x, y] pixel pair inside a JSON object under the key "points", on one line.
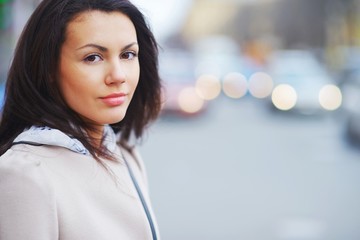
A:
{"points": [[104, 49]]}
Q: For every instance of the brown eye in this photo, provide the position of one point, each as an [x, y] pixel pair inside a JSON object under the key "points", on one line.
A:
{"points": [[93, 58], [128, 55]]}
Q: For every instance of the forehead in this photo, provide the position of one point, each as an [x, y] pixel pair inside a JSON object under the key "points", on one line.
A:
{"points": [[97, 24]]}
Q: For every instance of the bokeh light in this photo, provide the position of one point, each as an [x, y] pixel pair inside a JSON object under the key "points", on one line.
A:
{"points": [[234, 85], [330, 97], [189, 100], [284, 97], [260, 85], [208, 86]]}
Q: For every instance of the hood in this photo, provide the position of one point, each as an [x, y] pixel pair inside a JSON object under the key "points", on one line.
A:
{"points": [[54, 137]]}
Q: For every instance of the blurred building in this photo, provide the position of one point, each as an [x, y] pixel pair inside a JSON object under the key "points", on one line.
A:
{"points": [[13, 16], [282, 23], [5, 36]]}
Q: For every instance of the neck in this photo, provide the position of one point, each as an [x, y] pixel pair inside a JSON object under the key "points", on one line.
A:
{"points": [[96, 135]]}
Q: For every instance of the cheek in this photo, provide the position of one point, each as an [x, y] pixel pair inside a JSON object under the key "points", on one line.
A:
{"points": [[72, 84], [135, 75], [67, 72], [71, 93], [68, 85], [75, 75]]}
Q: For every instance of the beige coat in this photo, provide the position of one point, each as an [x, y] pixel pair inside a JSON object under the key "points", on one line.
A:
{"points": [[52, 193]]}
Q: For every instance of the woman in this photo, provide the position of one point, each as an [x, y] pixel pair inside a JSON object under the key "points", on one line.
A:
{"points": [[83, 81]]}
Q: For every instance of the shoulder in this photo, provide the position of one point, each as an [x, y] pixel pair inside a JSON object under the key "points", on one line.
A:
{"points": [[26, 198], [17, 161], [21, 169]]}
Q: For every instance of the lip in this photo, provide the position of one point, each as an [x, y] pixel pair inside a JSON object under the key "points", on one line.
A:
{"points": [[114, 99]]}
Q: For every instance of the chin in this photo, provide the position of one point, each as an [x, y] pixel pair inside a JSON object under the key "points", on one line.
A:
{"points": [[115, 119], [109, 117]]}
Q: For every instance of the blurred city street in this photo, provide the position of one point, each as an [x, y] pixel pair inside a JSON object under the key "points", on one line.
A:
{"points": [[261, 100], [241, 171]]}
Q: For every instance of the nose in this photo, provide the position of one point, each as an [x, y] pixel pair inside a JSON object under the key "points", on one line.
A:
{"points": [[116, 73]]}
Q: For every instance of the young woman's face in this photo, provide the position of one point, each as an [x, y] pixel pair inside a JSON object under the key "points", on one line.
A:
{"points": [[99, 68]]}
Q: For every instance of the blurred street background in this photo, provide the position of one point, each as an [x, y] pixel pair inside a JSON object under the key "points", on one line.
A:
{"points": [[259, 136]]}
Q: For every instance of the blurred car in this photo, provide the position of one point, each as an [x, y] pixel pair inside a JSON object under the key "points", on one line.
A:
{"points": [[177, 71], [301, 83], [352, 129], [349, 81], [217, 55], [220, 57]]}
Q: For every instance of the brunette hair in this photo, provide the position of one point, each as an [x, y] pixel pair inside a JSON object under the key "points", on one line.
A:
{"points": [[32, 95]]}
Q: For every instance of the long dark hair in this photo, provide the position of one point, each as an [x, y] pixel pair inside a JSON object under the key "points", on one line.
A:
{"points": [[32, 95]]}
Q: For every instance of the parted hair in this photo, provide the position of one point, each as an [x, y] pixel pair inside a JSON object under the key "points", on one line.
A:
{"points": [[32, 94]]}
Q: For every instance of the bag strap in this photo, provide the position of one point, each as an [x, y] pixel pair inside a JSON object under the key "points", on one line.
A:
{"points": [[142, 199]]}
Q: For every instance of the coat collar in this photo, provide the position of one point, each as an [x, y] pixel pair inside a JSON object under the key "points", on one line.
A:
{"points": [[55, 137]]}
